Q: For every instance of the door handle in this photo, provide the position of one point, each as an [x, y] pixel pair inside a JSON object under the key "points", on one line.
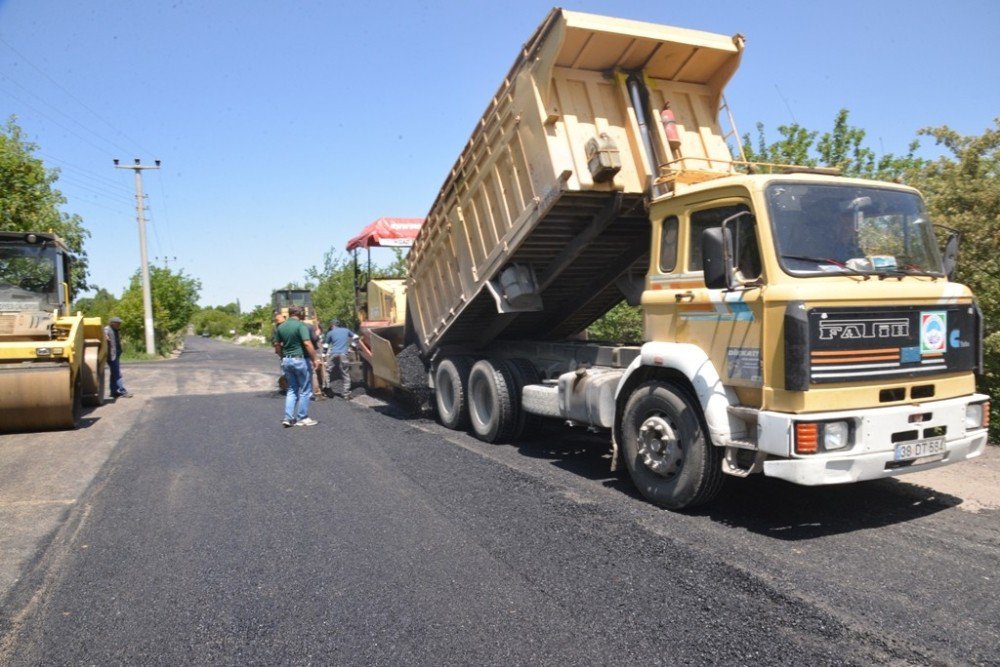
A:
{"points": [[684, 296]]}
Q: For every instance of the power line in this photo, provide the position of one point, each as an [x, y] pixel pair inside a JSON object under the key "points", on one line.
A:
{"points": [[72, 96], [102, 180], [104, 193], [63, 113], [57, 123]]}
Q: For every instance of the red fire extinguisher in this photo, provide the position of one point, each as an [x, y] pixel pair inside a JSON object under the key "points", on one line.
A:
{"points": [[670, 126]]}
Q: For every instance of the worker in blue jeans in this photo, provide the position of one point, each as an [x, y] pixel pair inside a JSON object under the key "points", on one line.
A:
{"points": [[293, 343], [114, 338]]}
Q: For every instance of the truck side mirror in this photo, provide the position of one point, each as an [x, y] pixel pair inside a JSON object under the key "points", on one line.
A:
{"points": [[949, 261], [716, 258]]}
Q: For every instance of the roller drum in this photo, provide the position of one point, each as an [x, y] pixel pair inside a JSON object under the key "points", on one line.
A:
{"points": [[36, 396]]}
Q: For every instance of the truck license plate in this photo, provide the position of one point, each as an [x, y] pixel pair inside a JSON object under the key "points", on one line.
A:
{"points": [[932, 449]]}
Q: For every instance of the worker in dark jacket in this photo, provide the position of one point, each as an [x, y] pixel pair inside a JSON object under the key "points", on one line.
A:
{"points": [[114, 338]]}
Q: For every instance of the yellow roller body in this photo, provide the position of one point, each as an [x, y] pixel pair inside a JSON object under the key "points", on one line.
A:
{"points": [[37, 396]]}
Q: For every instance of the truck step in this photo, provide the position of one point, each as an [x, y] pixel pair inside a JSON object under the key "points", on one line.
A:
{"points": [[540, 399]]}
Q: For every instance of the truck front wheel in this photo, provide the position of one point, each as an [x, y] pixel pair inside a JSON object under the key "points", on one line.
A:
{"points": [[666, 449], [451, 392]]}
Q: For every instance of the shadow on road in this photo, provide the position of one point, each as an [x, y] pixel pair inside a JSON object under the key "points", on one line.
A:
{"points": [[769, 507], [789, 512]]}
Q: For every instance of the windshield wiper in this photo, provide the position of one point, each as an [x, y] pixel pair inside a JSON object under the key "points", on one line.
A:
{"points": [[900, 271], [826, 260]]}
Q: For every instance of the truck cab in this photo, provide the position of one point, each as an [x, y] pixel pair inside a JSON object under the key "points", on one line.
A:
{"points": [[823, 308]]}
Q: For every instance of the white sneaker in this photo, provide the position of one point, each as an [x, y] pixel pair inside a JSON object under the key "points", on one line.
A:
{"points": [[308, 421]]}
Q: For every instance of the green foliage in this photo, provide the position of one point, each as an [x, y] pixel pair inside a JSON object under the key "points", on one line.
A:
{"points": [[397, 268], [216, 321], [963, 192], [621, 324], [29, 201], [793, 147], [333, 295], [257, 321], [333, 291], [843, 147], [103, 304], [174, 297]]}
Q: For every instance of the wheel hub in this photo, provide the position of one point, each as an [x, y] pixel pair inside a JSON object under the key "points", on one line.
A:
{"points": [[659, 447]]}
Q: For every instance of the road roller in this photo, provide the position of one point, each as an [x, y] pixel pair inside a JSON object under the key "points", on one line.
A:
{"points": [[51, 361]]}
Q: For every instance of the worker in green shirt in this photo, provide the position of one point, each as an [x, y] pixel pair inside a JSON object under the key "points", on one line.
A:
{"points": [[293, 343]]}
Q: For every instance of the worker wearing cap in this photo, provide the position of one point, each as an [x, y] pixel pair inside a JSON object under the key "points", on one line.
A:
{"points": [[338, 339], [114, 338]]}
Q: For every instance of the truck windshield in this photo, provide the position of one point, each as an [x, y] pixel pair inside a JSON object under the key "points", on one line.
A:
{"points": [[27, 278], [822, 229]]}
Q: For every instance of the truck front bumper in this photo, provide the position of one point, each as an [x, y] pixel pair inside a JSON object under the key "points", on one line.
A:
{"points": [[872, 454]]}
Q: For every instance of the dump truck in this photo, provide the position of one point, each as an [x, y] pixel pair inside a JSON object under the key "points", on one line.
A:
{"points": [[51, 361], [797, 323]]}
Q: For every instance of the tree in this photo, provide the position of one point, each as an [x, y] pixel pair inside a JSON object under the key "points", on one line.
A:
{"points": [[215, 321], [621, 324], [257, 321], [29, 201], [843, 147], [963, 192], [333, 295], [175, 301], [103, 304]]}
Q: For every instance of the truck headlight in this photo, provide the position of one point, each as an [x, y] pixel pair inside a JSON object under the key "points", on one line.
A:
{"points": [[813, 437], [836, 435], [977, 415], [45, 352]]}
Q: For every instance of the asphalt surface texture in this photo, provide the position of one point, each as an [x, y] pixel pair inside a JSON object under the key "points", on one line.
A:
{"points": [[212, 535]]}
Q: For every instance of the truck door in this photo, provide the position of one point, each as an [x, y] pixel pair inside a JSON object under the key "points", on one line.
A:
{"points": [[726, 324]]}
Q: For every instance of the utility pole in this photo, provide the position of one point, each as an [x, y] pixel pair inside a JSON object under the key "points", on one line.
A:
{"points": [[147, 300]]}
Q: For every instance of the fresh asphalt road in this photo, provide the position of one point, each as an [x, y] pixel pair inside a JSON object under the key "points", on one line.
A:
{"points": [[211, 535]]}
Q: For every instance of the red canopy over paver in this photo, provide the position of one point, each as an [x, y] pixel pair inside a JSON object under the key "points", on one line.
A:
{"points": [[388, 232]]}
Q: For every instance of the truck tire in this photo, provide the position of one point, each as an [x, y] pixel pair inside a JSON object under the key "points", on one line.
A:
{"points": [[493, 405], [524, 373], [451, 379], [666, 449]]}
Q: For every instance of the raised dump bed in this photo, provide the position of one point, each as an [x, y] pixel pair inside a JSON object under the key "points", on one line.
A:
{"points": [[541, 227]]}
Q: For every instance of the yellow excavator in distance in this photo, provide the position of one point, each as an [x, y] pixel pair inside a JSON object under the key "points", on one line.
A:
{"points": [[51, 361]]}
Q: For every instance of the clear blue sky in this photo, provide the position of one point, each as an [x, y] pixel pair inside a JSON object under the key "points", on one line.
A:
{"points": [[285, 127]]}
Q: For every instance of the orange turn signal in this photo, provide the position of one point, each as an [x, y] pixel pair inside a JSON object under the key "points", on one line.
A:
{"points": [[806, 438], [986, 414]]}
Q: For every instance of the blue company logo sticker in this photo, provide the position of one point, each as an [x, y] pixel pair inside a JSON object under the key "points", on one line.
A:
{"points": [[955, 340], [933, 332]]}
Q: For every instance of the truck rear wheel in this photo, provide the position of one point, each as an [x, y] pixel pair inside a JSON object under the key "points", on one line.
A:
{"points": [[451, 392], [492, 401], [666, 448]]}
